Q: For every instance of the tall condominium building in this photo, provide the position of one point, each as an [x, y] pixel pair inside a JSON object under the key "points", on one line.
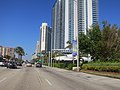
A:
{"points": [[58, 24], [69, 21], [45, 38], [69, 16], [37, 50], [87, 14]]}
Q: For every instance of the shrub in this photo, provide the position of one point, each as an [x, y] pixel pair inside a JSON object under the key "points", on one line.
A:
{"points": [[56, 65], [70, 66], [59, 65], [102, 67], [45, 64]]}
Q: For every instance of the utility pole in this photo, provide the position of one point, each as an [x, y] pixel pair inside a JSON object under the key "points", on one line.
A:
{"points": [[51, 49], [77, 32]]}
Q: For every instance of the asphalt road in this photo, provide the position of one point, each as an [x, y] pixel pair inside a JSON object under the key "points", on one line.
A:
{"points": [[46, 78]]}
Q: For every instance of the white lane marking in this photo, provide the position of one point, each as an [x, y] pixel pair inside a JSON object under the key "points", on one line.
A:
{"points": [[37, 71], [38, 76], [45, 79], [48, 82], [3, 80]]}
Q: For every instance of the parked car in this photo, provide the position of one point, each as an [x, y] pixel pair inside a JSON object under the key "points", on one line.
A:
{"points": [[19, 64], [28, 65], [38, 64], [5, 63], [11, 64], [2, 64]]}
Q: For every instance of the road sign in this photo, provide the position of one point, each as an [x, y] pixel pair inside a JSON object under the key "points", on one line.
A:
{"points": [[39, 60], [74, 43], [40, 55]]}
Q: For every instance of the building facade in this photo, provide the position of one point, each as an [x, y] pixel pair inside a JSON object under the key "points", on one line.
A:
{"points": [[87, 14], [69, 16], [1, 50], [7, 51], [37, 47], [58, 24], [37, 50], [45, 37]]}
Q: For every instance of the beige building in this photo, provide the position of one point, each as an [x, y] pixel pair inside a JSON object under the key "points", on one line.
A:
{"points": [[1, 50], [7, 51]]}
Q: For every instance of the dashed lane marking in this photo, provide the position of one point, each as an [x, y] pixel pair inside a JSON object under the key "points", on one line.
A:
{"points": [[3, 80], [49, 82]]}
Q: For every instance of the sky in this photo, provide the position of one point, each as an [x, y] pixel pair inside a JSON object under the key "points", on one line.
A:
{"points": [[20, 20]]}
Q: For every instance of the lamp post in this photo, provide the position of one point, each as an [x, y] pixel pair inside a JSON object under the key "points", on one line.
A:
{"points": [[51, 49], [77, 32]]}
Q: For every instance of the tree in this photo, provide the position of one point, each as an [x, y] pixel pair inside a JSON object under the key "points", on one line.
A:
{"points": [[20, 52], [91, 43], [95, 37], [110, 41], [69, 44], [103, 45], [84, 44], [18, 60], [7, 57]]}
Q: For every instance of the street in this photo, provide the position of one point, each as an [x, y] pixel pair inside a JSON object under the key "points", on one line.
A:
{"points": [[46, 78]]}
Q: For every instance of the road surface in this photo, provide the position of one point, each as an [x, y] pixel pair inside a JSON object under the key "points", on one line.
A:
{"points": [[46, 78]]}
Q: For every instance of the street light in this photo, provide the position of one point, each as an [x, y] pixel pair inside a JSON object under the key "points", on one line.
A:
{"points": [[51, 49], [76, 25]]}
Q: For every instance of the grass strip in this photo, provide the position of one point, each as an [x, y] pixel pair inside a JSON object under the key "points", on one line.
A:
{"points": [[106, 74]]}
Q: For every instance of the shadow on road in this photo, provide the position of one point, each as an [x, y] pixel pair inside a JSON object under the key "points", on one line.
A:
{"points": [[15, 68]]}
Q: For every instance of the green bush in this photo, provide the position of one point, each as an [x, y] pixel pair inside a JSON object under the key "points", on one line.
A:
{"points": [[70, 66], [45, 64], [56, 65], [103, 64], [107, 67], [59, 65]]}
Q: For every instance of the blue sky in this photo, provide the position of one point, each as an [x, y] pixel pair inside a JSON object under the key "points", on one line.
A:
{"points": [[109, 10], [20, 20]]}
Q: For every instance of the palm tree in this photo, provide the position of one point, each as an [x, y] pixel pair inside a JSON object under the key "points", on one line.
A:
{"points": [[7, 57], [69, 44], [20, 52]]}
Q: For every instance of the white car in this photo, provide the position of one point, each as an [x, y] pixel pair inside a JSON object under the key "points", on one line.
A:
{"points": [[28, 65], [1, 63]]}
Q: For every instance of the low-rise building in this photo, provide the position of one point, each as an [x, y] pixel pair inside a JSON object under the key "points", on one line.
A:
{"points": [[1, 50], [7, 51]]}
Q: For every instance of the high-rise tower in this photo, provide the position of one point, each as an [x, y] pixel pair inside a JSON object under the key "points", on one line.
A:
{"points": [[87, 14], [45, 38], [69, 16]]}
